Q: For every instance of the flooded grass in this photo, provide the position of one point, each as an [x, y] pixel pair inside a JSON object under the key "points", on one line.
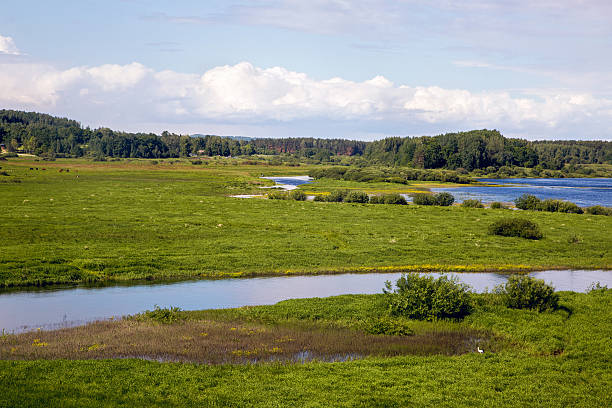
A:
{"points": [[216, 342]]}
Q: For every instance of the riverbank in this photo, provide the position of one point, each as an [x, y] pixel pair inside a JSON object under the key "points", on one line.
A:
{"points": [[130, 221], [552, 359]]}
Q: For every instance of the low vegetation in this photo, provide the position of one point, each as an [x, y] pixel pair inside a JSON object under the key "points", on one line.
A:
{"points": [[471, 203], [516, 227], [440, 199], [525, 292], [428, 298]]}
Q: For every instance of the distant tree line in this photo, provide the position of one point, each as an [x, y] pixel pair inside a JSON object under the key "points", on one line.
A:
{"points": [[47, 135]]}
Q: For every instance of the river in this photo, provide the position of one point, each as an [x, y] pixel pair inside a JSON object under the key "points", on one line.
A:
{"points": [[61, 307]]}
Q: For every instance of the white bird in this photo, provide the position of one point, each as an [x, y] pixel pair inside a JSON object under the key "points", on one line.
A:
{"points": [[479, 349]]}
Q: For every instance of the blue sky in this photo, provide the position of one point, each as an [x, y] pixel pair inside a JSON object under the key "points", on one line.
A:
{"points": [[356, 69]]}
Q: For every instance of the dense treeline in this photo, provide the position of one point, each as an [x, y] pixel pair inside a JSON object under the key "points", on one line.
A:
{"points": [[485, 150]]}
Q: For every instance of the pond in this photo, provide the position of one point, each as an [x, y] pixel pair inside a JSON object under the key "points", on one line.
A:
{"points": [[583, 191], [62, 307]]}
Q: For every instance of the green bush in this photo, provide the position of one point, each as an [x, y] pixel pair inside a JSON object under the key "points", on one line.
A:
{"points": [[515, 227], [376, 200], [569, 207], [427, 298], [336, 196], [527, 202], [444, 199], [297, 195], [599, 210], [496, 205], [319, 198], [525, 292], [423, 199], [356, 197], [393, 199], [166, 315], [388, 199], [472, 203], [277, 195], [388, 326]]}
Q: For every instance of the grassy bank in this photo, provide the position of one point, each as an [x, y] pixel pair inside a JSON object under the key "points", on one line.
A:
{"points": [[551, 359], [122, 221]]}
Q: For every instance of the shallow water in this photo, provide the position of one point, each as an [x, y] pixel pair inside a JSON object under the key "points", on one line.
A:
{"points": [[583, 191], [53, 308]]}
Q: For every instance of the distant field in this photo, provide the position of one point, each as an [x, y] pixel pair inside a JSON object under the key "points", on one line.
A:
{"points": [[131, 220]]}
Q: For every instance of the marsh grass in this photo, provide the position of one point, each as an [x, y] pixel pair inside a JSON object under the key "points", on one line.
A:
{"points": [[218, 342]]}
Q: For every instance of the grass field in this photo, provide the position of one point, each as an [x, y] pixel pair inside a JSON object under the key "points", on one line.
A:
{"points": [[134, 220], [551, 359]]}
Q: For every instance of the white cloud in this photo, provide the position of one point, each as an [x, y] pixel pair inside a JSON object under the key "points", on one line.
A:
{"points": [[245, 94], [7, 46]]}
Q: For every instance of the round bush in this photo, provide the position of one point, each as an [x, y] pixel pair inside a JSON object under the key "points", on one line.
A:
{"points": [[444, 199], [423, 199], [277, 195], [515, 227], [319, 197], [472, 203], [525, 292], [497, 205], [599, 210], [393, 199], [336, 196], [356, 197], [527, 202], [426, 298], [297, 195]]}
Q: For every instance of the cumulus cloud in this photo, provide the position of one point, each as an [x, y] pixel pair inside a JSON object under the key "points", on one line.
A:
{"points": [[244, 93], [7, 46]]}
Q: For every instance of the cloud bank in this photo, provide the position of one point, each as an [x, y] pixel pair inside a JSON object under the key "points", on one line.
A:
{"points": [[243, 94]]}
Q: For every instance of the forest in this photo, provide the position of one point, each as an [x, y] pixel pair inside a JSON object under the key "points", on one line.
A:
{"points": [[51, 137]]}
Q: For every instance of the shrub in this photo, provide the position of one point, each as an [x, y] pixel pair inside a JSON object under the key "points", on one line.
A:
{"points": [[336, 196], [497, 205], [277, 195], [376, 200], [527, 202], [297, 195], [444, 199], [166, 315], [426, 298], [599, 210], [393, 199], [515, 227], [472, 203], [319, 198], [356, 197], [388, 326], [569, 207], [548, 205], [525, 292], [423, 199]]}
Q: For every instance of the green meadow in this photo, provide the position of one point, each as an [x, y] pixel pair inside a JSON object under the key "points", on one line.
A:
{"points": [[557, 358], [155, 220]]}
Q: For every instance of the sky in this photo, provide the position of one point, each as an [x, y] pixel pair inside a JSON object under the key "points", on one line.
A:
{"points": [[359, 69]]}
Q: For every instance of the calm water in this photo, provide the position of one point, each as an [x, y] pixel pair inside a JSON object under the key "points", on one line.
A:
{"points": [[27, 310], [582, 191], [288, 182]]}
